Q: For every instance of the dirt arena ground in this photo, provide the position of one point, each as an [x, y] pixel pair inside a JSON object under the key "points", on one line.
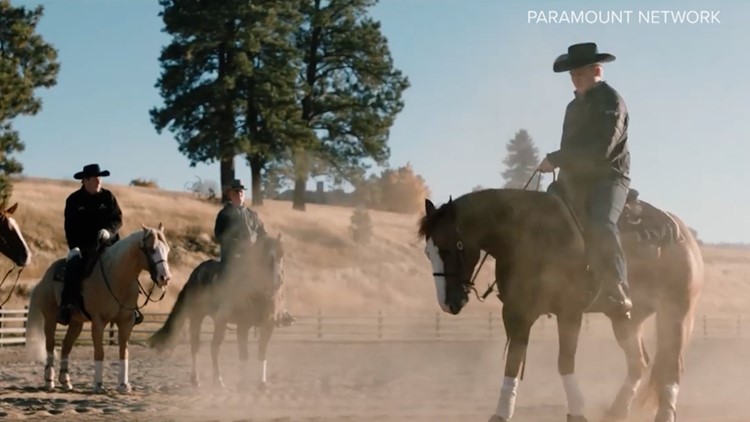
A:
{"points": [[387, 381]]}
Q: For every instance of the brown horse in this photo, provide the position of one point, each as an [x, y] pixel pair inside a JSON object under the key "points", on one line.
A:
{"points": [[12, 243], [248, 295], [109, 293], [541, 269]]}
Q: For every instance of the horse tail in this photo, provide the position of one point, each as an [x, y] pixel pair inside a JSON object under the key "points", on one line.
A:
{"points": [[165, 338], [35, 344]]}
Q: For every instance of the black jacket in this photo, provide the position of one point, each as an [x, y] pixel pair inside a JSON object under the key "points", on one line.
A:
{"points": [[86, 214], [595, 137], [236, 225]]}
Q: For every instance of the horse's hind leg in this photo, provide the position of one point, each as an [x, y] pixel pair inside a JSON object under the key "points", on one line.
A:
{"points": [[50, 325], [673, 326], [628, 333], [220, 327], [74, 330], [195, 345], [568, 330]]}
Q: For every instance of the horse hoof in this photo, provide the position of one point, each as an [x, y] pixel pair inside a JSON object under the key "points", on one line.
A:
{"points": [[124, 388], [98, 388], [67, 387], [495, 418], [219, 383], [49, 385], [579, 418]]}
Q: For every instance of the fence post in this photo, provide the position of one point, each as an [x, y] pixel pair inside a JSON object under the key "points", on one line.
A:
{"points": [[739, 325], [437, 324], [320, 323], [25, 315], [380, 324]]}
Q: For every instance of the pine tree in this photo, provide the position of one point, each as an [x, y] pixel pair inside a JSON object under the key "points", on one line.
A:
{"points": [[27, 62], [351, 91], [521, 161]]}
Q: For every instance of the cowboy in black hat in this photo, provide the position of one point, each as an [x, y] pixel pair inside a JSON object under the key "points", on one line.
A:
{"points": [[92, 220], [236, 226], [594, 163]]}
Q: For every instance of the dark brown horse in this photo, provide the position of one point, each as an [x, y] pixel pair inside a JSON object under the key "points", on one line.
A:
{"points": [[541, 269], [248, 296]]}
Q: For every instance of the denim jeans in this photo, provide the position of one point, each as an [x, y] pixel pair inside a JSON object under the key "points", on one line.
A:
{"points": [[604, 201]]}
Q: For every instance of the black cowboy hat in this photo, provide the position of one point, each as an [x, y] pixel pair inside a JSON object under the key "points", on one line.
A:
{"points": [[236, 184], [91, 170], [580, 55]]}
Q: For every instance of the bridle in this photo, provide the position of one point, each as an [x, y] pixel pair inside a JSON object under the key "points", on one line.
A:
{"points": [[152, 271], [469, 284]]}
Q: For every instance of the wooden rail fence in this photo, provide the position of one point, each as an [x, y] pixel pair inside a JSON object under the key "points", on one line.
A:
{"points": [[377, 327]]}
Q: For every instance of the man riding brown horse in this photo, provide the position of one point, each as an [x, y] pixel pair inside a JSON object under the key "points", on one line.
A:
{"points": [[236, 226], [594, 163]]}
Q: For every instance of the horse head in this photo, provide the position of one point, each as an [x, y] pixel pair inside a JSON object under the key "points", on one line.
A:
{"points": [[453, 256], [12, 243], [268, 265], [154, 246]]}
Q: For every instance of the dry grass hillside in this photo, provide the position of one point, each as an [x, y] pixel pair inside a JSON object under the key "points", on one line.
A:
{"points": [[325, 268]]}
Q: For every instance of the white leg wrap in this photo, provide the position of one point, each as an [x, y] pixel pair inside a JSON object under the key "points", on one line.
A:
{"points": [[123, 375], [669, 396], [573, 394], [506, 404], [264, 373], [98, 372]]}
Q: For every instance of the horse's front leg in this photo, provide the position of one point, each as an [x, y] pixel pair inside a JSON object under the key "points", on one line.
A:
{"points": [[266, 330], [220, 328], [124, 329], [74, 330], [243, 331], [97, 336], [50, 326], [517, 327], [568, 330]]}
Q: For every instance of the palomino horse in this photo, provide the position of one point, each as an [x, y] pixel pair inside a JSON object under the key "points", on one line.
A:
{"points": [[247, 296], [541, 269], [110, 294]]}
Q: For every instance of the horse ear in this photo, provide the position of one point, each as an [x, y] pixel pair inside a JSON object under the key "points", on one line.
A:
{"points": [[161, 226], [429, 207], [143, 226], [450, 198], [12, 208]]}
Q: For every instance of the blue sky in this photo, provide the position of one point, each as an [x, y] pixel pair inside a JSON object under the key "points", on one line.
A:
{"points": [[479, 72]]}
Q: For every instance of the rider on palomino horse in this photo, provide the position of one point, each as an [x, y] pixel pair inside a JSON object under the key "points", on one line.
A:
{"points": [[235, 225], [92, 221], [594, 163]]}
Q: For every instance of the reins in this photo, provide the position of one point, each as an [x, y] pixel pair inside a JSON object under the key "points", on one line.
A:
{"points": [[140, 286], [491, 286], [15, 283]]}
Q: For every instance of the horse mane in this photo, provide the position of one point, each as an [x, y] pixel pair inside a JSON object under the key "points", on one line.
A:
{"points": [[125, 243]]}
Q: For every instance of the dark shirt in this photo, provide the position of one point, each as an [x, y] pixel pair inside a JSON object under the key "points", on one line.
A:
{"points": [[237, 226], [86, 214], [594, 139]]}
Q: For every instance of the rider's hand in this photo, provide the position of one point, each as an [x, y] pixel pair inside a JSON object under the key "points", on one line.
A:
{"points": [[103, 235], [546, 166]]}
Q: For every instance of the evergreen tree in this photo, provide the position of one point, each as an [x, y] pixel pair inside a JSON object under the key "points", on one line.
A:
{"points": [[521, 161], [27, 62], [351, 91]]}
